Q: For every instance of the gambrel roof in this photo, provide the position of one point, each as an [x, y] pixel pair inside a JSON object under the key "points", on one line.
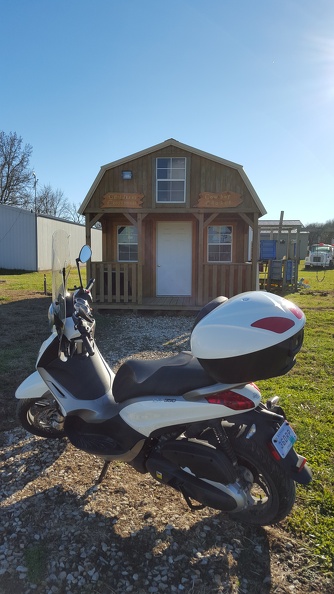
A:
{"points": [[190, 149]]}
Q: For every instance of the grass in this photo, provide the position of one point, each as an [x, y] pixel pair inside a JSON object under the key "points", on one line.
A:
{"points": [[35, 559], [31, 282], [20, 280], [306, 392]]}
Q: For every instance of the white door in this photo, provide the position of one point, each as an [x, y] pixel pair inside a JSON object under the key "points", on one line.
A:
{"points": [[174, 258]]}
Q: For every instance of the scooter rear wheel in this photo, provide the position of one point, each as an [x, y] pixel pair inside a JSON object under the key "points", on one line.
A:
{"points": [[273, 492], [41, 416]]}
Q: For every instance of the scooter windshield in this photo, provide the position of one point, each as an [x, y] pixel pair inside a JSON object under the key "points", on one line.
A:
{"points": [[61, 266]]}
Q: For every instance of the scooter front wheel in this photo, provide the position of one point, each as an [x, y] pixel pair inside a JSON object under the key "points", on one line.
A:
{"points": [[41, 416]]}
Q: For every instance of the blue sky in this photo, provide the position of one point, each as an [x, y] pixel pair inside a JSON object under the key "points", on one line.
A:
{"points": [[87, 82]]}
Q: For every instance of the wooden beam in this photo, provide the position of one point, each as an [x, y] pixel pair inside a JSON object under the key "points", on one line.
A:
{"points": [[247, 219], [255, 253], [95, 219], [89, 242], [130, 218], [280, 226], [140, 258], [210, 219], [200, 279]]}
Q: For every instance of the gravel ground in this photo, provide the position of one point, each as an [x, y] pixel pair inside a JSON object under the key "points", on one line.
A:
{"points": [[64, 534]]}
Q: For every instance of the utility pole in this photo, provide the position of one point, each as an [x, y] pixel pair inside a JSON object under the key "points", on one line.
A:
{"points": [[35, 186], [36, 239]]}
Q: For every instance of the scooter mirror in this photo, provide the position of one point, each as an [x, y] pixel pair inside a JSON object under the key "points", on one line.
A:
{"points": [[85, 254]]}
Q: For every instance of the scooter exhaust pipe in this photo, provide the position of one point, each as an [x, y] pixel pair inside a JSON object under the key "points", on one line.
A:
{"points": [[189, 485]]}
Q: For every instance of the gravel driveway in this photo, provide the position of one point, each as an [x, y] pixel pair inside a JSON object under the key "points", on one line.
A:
{"points": [[63, 534]]}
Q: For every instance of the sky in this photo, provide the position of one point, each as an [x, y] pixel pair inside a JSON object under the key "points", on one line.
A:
{"points": [[88, 82]]}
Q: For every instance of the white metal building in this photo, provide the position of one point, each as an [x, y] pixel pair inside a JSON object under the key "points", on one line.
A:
{"points": [[26, 239]]}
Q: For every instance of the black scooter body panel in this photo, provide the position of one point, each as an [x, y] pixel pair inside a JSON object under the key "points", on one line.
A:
{"points": [[109, 438], [86, 378]]}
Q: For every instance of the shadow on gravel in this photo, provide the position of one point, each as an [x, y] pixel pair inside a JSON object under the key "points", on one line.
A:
{"points": [[24, 325], [25, 458], [45, 553]]}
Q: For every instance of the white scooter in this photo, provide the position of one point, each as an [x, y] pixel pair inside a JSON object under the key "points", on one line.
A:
{"points": [[194, 421]]}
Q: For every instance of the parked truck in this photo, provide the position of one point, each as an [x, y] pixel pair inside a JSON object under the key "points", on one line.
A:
{"points": [[320, 255]]}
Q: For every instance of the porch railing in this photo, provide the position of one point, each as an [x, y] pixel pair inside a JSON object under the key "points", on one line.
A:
{"points": [[116, 282], [120, 282], [225, 279]]}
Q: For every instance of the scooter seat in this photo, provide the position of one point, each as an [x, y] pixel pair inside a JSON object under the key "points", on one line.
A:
{"points": [[171, 376]]}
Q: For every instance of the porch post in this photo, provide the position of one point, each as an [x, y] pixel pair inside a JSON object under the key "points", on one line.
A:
{"points": [[255, 253], [89, 242], [200, 279], [140, 258]]}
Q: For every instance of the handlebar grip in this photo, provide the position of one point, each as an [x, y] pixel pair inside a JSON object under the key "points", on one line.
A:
{"points": [[87, 345], [90, 284]]}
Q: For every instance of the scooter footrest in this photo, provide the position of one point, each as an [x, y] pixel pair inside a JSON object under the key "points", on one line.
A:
{"points": [[98, 445]]}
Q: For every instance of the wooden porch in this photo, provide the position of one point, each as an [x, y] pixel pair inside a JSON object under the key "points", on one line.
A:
{"points": [[119, 285]]}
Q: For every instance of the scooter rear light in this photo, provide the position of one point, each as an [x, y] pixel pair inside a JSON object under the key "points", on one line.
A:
{"points": [[273, 451], [231, 399]]}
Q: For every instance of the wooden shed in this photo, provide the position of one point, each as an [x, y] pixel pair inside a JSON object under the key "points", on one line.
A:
{"points": [[177, 225]]}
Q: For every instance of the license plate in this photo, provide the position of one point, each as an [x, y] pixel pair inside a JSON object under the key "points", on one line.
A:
{"points": [[284, 439]]}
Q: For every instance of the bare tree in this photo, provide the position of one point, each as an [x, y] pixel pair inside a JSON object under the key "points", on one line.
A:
{"points": [[51, 202], [15, 175], [18, 183], [73, 215]]}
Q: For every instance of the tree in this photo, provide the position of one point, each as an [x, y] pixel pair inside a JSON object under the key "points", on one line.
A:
{"points": [[321, 232], [73, 215], [51, 202], [18, 183], [15, 175]]}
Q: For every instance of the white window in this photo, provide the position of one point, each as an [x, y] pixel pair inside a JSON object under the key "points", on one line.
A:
{"points": [[171, 179], [219, 243], [127, 244]]}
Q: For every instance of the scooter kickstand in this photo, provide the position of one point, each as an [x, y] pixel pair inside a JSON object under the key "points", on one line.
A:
{"points": [[103, 472]]}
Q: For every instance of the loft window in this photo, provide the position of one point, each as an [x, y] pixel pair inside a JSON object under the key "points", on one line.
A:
{"points": [[127, 244], [171, 179], [219, 243]]}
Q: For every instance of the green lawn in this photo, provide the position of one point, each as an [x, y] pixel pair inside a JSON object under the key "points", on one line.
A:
{"points": [[307, 394]]}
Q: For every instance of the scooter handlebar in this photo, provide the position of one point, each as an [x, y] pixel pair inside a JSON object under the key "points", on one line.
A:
{"points": [[84, 322], [82, 310], [90, 284], [88, 345]]}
